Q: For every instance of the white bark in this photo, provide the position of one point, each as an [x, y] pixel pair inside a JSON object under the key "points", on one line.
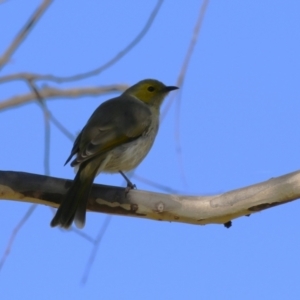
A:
{"points": [[218, 209]]}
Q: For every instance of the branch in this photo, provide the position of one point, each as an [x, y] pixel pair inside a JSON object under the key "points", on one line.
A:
{"points": [[188, 56], [47, 127], [51, 93], [19, 76], [23, 32], [116, 58], [15, 232], [98, 70], [217, 209], [95, 248], [180, 82]]}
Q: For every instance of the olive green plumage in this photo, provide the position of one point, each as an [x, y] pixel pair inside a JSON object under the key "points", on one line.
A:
{"points": [[117, 137]]}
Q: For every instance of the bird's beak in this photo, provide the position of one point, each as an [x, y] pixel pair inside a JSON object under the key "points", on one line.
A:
{"points": [[171, 88]]}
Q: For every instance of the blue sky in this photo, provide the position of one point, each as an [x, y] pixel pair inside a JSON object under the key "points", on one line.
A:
{"points": [[238, 125]]}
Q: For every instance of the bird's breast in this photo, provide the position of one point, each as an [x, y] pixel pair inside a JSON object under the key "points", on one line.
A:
{"points": [[129, 155]]}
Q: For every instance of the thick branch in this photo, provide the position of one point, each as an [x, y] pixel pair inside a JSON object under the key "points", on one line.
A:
{"points": [[52, 93], [218, 209]]}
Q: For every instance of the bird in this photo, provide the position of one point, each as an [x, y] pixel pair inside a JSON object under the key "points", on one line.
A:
{"points": [[116, 138]]}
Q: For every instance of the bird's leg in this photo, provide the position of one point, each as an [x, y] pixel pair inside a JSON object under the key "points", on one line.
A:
{"points": [[130, 185]]}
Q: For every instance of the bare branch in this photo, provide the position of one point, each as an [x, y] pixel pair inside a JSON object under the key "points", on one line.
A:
{"points": [[217, 209], [82, 234], [116, 58], [46, 115], [180, 81], [187, 59], [193, 42], [24, 31], [15, 232], [20, 76], [95, 249], [61, 127], [54, 93], [188, 56], [98, 70]]}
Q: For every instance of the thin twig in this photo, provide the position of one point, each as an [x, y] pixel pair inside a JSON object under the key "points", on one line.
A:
{"points": [[180, 82], [81, 234], [98, 70], [61, 127], [75, 230], [47, 127], [95, 249], [15, 232], [116, 58], [23, 32], [54, 93], [46, 142], [106, 223], [188, 56]]}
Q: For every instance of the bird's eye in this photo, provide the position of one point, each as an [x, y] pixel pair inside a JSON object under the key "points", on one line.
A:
{"points": [[151, 88]]}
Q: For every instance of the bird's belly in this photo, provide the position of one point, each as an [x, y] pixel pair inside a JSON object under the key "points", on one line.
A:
{"points": [[128, 156]]}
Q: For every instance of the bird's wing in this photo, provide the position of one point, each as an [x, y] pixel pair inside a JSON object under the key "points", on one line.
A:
{"points": [[75, 148], [115, 122]]}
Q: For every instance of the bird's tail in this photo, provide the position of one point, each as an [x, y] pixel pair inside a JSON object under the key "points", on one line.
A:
{"points": [[73, 206]]}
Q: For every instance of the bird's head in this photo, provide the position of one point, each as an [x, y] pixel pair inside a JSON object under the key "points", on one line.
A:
{"points": [[150, 91]]}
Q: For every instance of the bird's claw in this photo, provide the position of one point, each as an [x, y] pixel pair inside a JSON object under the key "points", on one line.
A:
{"points": [[130, 186]]}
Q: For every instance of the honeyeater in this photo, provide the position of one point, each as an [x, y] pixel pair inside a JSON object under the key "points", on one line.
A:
{"points": [[116, 138]]}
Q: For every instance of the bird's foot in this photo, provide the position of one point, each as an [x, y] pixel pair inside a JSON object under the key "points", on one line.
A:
{"points": [[130, 185]]}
